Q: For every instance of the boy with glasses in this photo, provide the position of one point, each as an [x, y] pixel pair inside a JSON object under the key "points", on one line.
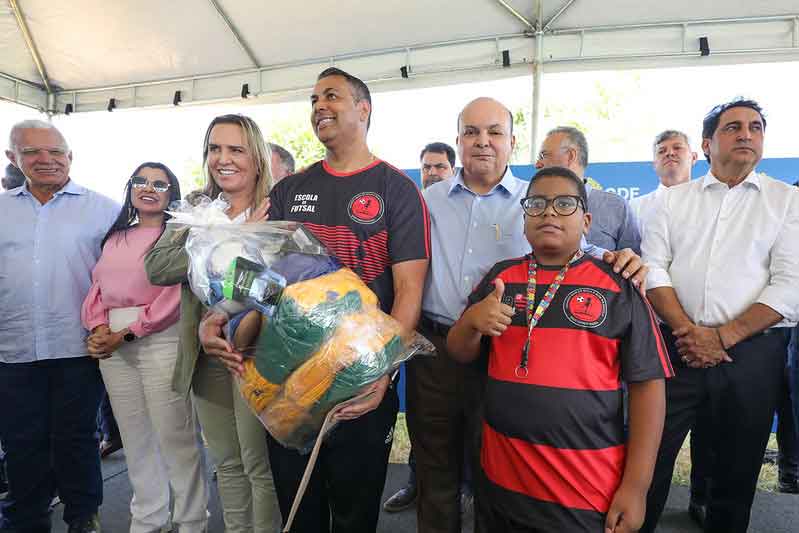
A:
{"points": [[561, 330]]}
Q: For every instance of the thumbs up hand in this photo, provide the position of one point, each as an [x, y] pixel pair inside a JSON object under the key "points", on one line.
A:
{"points": [[490, 316]]}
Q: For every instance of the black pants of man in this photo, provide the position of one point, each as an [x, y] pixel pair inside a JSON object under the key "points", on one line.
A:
{"points": [[48, 424], [106, 422], [701, 456], [742, 397], [787, 447], [348, 478], [444, 412]]}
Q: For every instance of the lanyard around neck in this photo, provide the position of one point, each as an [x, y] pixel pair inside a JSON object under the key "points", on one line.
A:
{"points": [[534, 313]]}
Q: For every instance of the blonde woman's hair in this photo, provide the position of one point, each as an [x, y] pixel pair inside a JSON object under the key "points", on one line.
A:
{"points": [[259, 151]]}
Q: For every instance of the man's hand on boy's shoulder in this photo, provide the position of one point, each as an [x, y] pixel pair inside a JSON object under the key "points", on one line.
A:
{"points": [[490, 316], [629, 265], [627, 510]]}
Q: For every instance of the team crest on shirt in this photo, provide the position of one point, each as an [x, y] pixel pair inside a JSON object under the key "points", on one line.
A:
{"points": [[585, 307], [366, 208]]}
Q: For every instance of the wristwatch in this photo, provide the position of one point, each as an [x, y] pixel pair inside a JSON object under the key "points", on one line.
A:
{"points": [[129, 336]]}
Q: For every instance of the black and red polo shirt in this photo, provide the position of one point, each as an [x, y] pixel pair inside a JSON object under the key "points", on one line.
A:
{"points": [[553, 443], [369, 219]]}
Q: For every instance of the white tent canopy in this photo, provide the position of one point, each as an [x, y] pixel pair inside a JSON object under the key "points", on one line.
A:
{"points": [[84, 53]]}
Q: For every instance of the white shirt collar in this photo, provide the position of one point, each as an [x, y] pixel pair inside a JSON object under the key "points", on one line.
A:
{"points": [[753, 179]]}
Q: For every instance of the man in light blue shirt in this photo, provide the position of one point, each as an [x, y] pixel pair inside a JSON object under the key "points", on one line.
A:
{"points": [[613, 225], [476, 221], [49, 387]]}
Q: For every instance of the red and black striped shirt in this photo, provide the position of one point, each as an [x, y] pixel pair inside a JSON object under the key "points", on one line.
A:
{"points": [[370, 219], [553, 443]]}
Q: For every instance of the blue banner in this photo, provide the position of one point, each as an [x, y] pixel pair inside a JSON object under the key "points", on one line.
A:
{"points": [[637, 178]]}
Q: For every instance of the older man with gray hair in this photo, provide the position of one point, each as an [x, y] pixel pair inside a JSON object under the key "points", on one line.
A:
{"points": [[613, 225], [49, 386], [282, 162]]}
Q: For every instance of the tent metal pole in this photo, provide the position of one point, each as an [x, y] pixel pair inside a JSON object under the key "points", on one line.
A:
{"points": [[512, 10], [654, 25], [235, 32], [26, 34], [24, 104], [557, 15], [20, 81], [538, 71], [674, 55]]}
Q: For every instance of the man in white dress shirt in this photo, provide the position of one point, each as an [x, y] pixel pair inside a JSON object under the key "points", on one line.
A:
{"points": [[673, 160], [723, 255]]}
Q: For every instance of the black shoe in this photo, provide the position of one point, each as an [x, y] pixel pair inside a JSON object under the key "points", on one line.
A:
{"points": [[85, 525], [788, 486], [107, 447], [403, 499], [54, 503], [697, 511], [3, 483], [467, 502]]}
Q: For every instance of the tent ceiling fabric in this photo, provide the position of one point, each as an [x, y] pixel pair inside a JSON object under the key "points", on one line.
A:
{"points": [[140, 52]]}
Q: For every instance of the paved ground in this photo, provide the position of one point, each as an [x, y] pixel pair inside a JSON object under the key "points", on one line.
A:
{"points": [[772, 513]]}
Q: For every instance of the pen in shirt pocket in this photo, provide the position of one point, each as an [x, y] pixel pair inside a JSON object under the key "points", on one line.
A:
{"points": [[497, 231]]}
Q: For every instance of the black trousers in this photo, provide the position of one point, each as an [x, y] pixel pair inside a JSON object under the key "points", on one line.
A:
{"points": [[48, 425], [787, 436], [787, 444], [106, 422], [742, 397], [348, 478], [444, 400], [701, 455]]}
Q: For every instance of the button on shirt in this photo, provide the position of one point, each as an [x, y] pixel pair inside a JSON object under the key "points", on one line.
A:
{"points": [[613, 226], [47, 253], [724, 249], [470, 233]]}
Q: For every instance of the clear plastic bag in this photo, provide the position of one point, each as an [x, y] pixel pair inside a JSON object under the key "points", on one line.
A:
{"points": [[318, 337]]}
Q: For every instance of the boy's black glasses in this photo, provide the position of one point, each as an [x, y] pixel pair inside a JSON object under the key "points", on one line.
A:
{"points": [[140, 182], [563, 205]]}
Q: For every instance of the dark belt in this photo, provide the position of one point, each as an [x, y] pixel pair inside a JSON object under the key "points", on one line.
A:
{"points": [[773, 331], [434, 327]]}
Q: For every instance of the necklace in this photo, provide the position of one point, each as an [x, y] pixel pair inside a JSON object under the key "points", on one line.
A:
{"points": [[534, 313]]}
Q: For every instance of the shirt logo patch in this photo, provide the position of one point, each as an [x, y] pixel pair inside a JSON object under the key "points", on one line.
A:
{"points": [[585, 307], [304, 203], [366, 208]]}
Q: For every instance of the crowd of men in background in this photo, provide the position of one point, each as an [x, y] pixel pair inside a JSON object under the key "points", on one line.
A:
{"points": [[719, 261]]}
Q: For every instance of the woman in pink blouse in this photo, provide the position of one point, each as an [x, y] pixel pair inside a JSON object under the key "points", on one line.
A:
{"points": [[134, 333]]}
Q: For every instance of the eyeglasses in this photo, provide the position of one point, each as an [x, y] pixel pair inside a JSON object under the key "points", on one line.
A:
{"points": [[140, 182], [543, 154], [563, 205]]}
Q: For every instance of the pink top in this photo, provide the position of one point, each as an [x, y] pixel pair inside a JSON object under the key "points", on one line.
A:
{"points": [[119, 280]]}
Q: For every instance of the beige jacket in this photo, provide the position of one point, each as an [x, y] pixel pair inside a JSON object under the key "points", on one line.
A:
{"points": [[168, 264]]}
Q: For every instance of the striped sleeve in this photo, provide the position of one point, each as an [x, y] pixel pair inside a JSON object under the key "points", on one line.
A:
{"points": [[644, 355]]}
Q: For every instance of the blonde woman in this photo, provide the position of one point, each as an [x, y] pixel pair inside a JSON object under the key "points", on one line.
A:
{"points": [[236, 162]]}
